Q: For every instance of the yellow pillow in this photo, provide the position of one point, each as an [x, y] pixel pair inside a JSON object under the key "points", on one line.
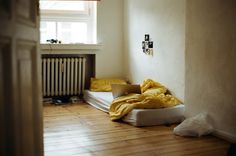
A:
{"points": [[104, 85]]}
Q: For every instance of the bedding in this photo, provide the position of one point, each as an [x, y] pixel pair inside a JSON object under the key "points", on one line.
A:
{"points": [[137, 117], [154, 96]]}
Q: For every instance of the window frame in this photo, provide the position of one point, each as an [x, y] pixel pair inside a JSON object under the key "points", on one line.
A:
{"points": [[88, 16]]}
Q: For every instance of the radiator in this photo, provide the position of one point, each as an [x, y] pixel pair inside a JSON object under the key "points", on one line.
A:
{"points": [[63, 76]]}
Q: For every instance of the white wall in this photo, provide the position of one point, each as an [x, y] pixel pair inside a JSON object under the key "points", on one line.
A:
{"points": [[164, 20], [109, 60], [211, 62], [210, 51]]}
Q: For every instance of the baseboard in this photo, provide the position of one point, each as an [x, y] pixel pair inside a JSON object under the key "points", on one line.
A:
{"points": [[225, 135]]}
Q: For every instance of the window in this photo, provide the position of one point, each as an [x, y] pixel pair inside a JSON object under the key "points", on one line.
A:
{"points": [[68, 21]]}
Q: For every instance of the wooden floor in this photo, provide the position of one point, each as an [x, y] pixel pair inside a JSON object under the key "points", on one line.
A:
{"points": [[81, 130]]}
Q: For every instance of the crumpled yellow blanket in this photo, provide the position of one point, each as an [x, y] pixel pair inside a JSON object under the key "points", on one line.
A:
{"points": [[154, 95]]}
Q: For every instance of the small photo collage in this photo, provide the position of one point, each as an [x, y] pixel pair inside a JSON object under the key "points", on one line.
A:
{"points": [[147, 45]]}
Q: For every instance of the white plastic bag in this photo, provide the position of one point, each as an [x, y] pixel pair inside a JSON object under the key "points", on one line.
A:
{"points": [[195, 126]]}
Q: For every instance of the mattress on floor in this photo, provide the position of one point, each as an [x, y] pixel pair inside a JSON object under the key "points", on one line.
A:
{"points": [[137, 117], [100, 100]]}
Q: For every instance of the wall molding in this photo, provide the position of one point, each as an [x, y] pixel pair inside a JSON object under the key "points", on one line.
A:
{"points": [[225, 135]]}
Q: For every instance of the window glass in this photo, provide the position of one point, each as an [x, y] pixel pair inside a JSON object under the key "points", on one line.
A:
{"points": [[68, 21], [47, 31], [72, 32]]}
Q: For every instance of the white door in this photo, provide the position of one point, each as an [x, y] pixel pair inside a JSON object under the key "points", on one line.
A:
{"points": [[21, 129]]}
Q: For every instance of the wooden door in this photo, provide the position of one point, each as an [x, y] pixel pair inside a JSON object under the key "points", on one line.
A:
{"points": [[20, 84]]}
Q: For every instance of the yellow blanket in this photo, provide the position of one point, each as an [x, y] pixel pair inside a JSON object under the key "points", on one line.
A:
{"points": [[154, 95]]}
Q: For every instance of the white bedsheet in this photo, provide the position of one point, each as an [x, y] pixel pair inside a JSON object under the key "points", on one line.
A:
{"points": [[137, 117]]}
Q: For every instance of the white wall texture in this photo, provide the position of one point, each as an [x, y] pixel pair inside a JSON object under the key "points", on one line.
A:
{"points": [[109, 60], [211, 62], [164, 20]]}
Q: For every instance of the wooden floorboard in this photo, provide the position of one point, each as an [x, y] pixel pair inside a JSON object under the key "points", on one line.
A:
{"points": [[81, 130]]}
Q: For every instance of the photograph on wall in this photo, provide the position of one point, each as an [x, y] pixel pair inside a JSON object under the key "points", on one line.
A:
{"points": [[146, 37], [150, 44], [143, 44], [146, 45]]}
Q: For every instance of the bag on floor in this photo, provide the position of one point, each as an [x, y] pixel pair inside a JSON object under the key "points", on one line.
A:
{"points": [[195, 126]]}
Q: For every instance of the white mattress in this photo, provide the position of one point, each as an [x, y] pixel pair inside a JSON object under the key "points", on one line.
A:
{"points": [[137, 117], [100, 100]]}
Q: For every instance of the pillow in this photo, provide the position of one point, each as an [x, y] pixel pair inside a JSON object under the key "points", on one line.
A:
{"points": [[104, 85]]}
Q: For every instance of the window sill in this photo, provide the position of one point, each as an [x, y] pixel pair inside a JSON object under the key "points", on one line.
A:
{"points": [[69, 48]]}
